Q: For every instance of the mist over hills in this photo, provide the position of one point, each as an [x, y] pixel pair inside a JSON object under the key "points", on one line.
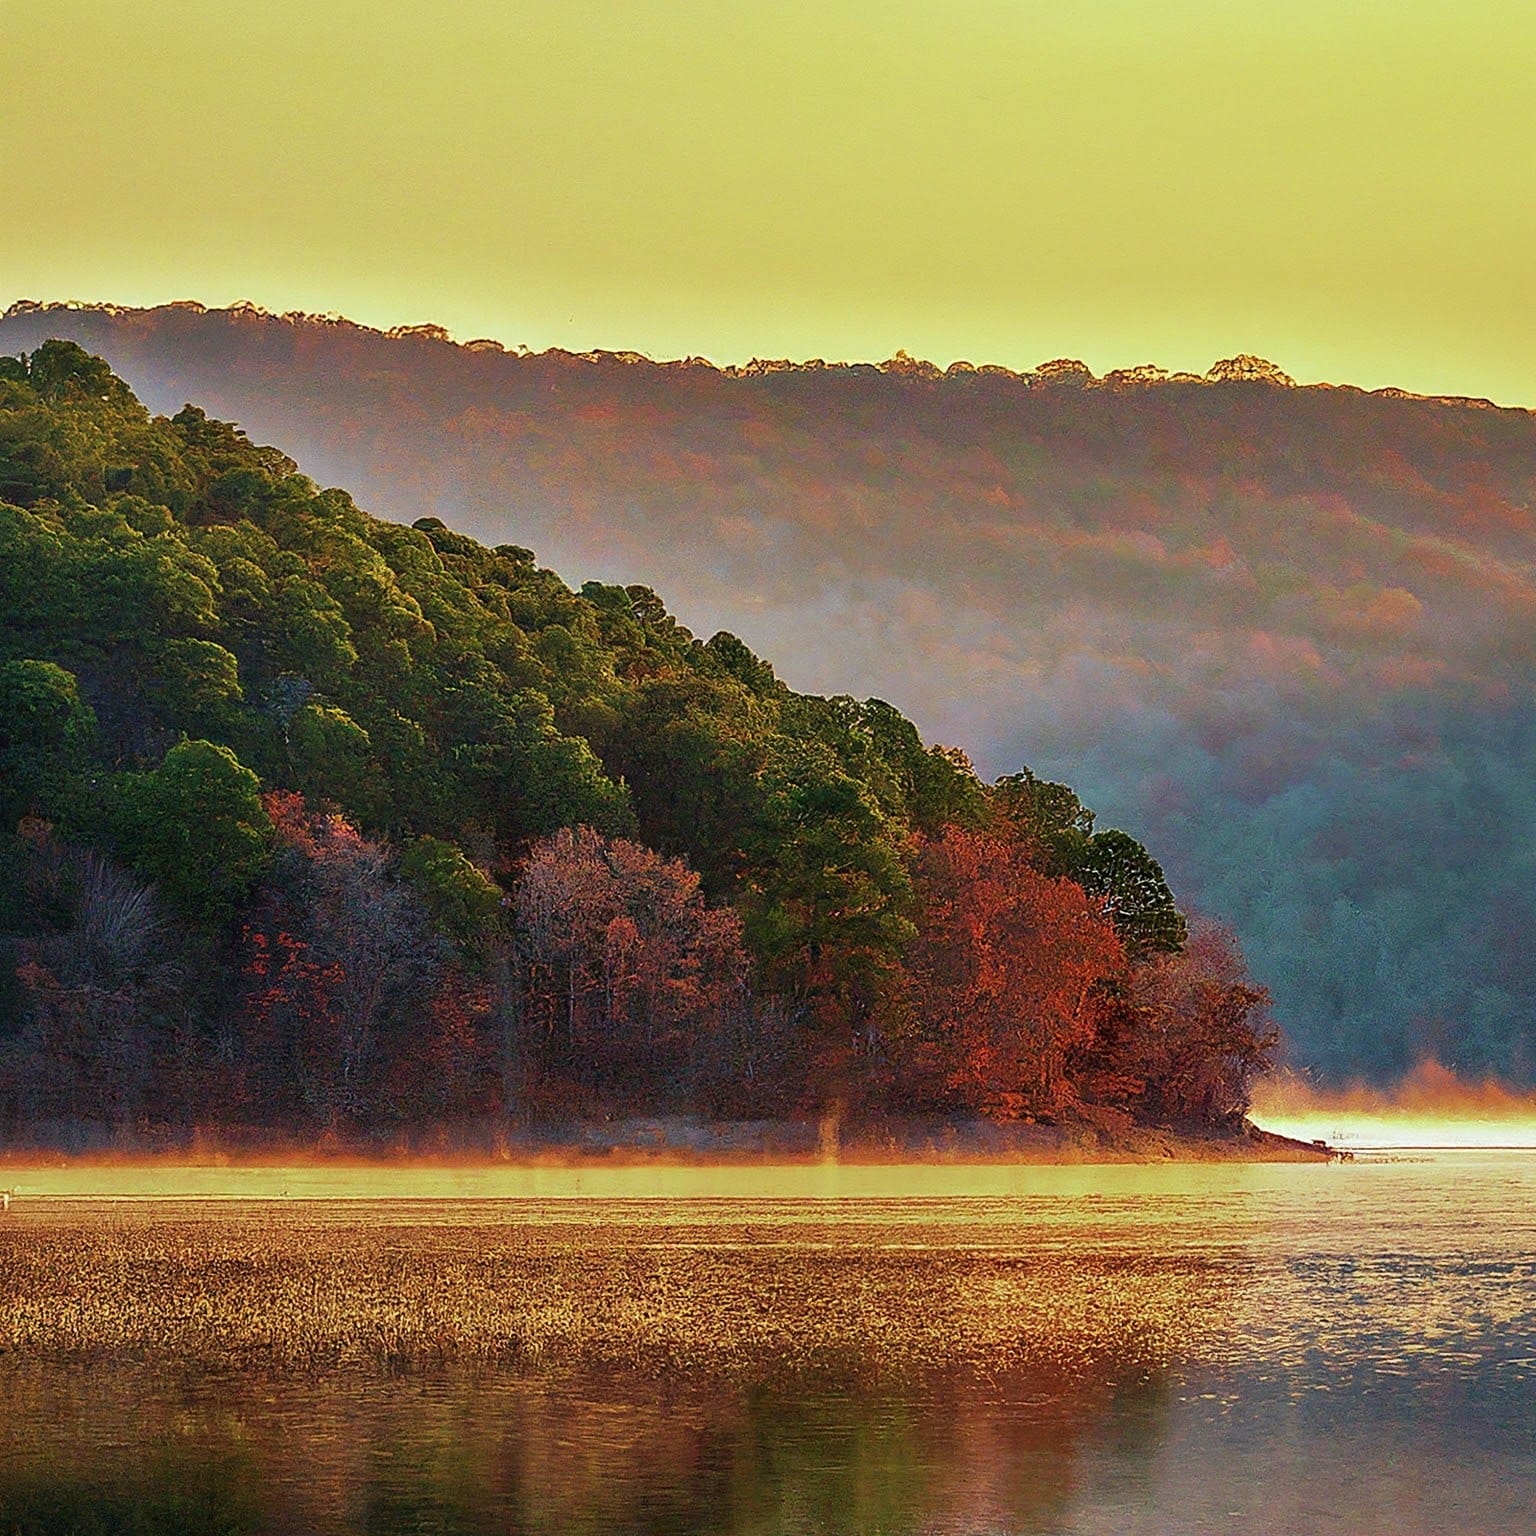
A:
{"points": [[1283, 634]]}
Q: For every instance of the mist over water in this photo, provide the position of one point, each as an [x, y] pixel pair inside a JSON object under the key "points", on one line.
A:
{"points": [[1284, 636], [1429, 1107]]}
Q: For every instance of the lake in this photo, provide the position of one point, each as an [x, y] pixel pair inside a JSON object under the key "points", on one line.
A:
{"points": [[1124, 1349]]}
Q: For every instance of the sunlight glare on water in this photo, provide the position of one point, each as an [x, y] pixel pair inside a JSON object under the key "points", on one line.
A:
{"points": [[1430, 1107]]}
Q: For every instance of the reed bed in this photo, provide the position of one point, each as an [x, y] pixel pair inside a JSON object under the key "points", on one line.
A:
{"points": [[252, 1286]]}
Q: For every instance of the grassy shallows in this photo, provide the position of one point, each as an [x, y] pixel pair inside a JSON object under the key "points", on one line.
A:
{"points": [[261, 1286]]}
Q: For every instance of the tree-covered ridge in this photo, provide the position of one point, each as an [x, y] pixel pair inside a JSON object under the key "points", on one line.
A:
{"points": [[311, 819]]}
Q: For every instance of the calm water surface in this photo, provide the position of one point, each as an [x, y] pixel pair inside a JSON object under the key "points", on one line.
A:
{"points": [[1286, 1348]]}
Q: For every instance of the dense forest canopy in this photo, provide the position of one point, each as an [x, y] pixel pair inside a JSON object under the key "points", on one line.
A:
{"points": [[311, 821], [1281, 633]]}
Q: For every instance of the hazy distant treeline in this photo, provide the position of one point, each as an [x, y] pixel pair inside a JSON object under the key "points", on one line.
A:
{"points": [[311, 821], [1283, 634]]}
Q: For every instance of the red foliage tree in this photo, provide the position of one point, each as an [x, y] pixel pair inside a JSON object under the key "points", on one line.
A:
{"points": [[447, 1075], [1194, 1029], [1005, 979]]}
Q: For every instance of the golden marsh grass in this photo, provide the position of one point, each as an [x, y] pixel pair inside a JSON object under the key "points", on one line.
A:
{"points": [[316, 1286]]}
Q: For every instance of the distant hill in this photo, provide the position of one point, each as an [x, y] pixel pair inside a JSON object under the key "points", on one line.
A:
{"points": [[1284, 634]]}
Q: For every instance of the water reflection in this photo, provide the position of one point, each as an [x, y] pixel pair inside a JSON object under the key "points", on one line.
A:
{"points": [[558, 1453], [1145, 1371]]}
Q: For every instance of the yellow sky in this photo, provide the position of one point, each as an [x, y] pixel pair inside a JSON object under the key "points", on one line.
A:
{"points": [[1345, 186]]}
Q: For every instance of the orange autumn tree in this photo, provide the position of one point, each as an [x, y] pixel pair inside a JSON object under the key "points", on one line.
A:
{"points": [[1005, 978]]}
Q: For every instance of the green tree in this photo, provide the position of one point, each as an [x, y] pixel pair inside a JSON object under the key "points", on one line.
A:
{"points": [[519, 776], [332, 758], [63, 371], [196, 686], [196, 827], [1109, 865], [1116, 868], [692, 750], [304, 632], [1048, 816], [45, 731], [827, 900], [947, 793], [462, 899], [736, 659]]}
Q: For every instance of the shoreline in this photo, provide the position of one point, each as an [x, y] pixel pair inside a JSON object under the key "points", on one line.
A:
{"points": [[681, 1145]]}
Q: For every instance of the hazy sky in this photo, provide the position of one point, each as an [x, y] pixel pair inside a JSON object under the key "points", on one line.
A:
{"points": [[1344, 186]]}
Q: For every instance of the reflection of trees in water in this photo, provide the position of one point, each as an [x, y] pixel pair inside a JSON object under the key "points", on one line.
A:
{"points": [[170, 1495], [558, 1451], [1133, 1429], [94, 1454]]}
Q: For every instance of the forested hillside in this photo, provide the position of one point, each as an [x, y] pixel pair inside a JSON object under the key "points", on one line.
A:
{"points": [[1283, 634], [313, 822]]}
